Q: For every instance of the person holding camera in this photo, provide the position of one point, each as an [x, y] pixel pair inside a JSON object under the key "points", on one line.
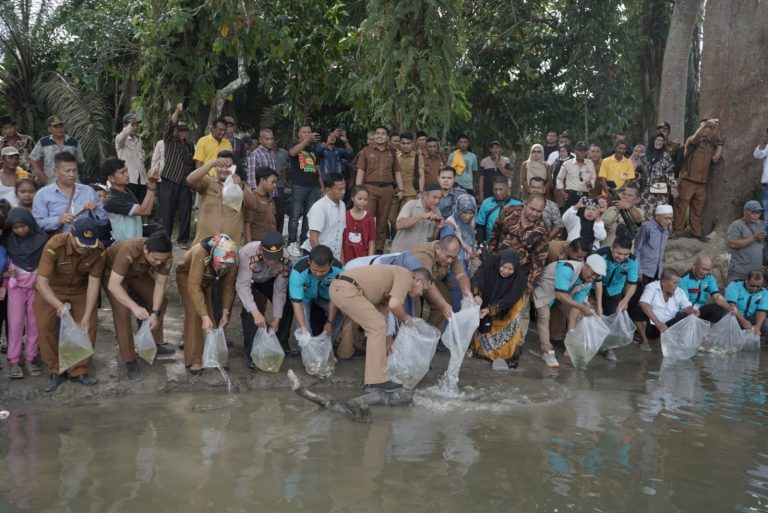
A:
{"points": [[582, 221]]}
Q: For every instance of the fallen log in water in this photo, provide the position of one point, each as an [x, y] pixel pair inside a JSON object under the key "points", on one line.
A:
{"points": [[357, 408]]}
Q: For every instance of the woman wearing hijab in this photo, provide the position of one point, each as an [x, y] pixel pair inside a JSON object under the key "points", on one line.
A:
{"points": [[24, 243], [536, 165], [207, 288], [499, 287], [564, 154], [462, 225], [583, 222], [638, 152], [655, 176]]}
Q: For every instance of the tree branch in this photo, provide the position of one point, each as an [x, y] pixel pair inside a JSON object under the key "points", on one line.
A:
{"points": [[221, 95]]}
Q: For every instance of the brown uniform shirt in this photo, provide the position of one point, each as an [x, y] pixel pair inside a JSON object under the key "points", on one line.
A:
{"points": [[432, 167], [262, 218], [379, 165], [201, 275], [698, 159], [388, 281], [425, 252], [410, 173], [127, 259], [214, 216], [68, 271]]}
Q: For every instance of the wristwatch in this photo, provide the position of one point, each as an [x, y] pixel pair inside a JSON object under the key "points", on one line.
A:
{"points": [[157, 312]]}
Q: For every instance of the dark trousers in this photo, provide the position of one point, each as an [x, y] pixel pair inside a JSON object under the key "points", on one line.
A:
{"points": [[249, 327], [138, 190], [653, 332], [303, 198], [280, 209], [610, 303], [635, 312], [175, 199], [712, 312]]}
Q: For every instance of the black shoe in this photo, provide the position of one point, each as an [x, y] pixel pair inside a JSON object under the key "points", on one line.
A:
{"points": [[252, 366], [54, 380], [388, 387], [164, 349], [84, 379], [134, 372], [703, 238], [291, 352], [441, 348]]}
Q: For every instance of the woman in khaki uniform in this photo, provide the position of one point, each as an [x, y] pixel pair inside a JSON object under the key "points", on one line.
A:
{"points": [[202, 269]]}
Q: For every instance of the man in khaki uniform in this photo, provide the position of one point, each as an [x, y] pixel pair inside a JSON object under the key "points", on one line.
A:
{"points": [[262, 217], [378, 169], [69, 272], [138, 267], [411, 168], [439, 257], [214, 217], [366, 297], [433, 161]]}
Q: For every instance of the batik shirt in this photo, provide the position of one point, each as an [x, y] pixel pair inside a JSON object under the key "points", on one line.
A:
{"points": [[531, 242]]}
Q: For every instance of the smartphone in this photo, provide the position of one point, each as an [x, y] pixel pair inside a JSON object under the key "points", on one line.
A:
{"points": [[342, 127], [611, 184]]}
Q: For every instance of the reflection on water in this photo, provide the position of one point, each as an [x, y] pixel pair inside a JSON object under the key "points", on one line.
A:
{"points": [[639, 437]]}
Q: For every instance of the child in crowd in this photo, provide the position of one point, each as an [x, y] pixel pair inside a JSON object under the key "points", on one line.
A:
{"points": [[24, 242], [360, 233], [25, 193], [105, 232]]}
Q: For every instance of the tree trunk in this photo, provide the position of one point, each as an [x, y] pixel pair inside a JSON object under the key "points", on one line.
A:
{"points": [[655, 19], [733, 88], [674, 74], [221, 95]]}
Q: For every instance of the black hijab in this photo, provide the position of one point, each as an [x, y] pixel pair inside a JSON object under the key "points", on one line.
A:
{"points": [[497, 290], [25, 252], [587, 228], [651, 153]]}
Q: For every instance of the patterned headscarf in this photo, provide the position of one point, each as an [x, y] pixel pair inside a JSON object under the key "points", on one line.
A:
{"points": [[465, 231], [221, 250]]}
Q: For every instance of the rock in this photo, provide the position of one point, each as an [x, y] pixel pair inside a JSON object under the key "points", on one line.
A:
{"points": [[681, 252]]}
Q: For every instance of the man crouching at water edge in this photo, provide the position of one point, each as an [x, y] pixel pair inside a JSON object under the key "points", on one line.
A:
{"points": [[568, 283], [366, 297], [665, 304], [69, 272]]}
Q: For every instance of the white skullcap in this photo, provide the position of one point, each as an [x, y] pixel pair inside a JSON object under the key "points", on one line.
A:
{"points": [[663, 209]]}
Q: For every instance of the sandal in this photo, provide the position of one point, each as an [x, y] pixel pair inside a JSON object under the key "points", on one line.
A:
{"points": [[195, 372], [16, 372], [33, 369]]}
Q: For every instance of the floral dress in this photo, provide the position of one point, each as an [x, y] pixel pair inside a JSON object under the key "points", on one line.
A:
{"points": [[648, 173]]}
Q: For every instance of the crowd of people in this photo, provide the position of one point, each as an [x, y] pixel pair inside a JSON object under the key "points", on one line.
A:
{"points": [[583, 234]]}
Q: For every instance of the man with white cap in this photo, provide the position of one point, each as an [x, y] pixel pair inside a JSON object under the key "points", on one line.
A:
{"points": [[746, 238], [568, 284]]}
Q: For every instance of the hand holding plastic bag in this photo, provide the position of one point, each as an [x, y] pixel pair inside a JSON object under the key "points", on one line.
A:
{"points": [[751, 340], [622, 330], [74, 343], [267, 353], [144, 343], [316, 353], [682, 340], [232, 194], [585, 340], [412, 353], [215, 352], [725, 336]]}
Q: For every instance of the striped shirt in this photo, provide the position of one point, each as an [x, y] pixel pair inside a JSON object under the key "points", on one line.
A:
{"points": [[178, 157], [260, 157]]}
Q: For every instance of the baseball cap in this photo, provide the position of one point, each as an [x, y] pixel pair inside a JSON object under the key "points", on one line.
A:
{"points": [[8, 151], [128, 118], [272, 245], [229, 119], [182, 126], [581, 145], [597, 264], [54, 120], [84, 229], [751, 205], [494, 143], [665, 124]]}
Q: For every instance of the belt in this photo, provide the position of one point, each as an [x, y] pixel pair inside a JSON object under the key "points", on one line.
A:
{"points": [[373, 260], [348, 280], [380, 184]]}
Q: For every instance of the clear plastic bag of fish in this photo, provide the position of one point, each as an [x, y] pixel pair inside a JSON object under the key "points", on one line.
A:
{"points": [[215, 353], [682, 341], [316, 353], [585, 340], [412, 352], [725, 336], [74, 343], [232, 194], [751, 340], [267, 353], [622, 330], [144, 343], [461, 326]]}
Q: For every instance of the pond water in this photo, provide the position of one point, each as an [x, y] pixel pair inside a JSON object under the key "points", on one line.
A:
{"points": [[641, 437]]}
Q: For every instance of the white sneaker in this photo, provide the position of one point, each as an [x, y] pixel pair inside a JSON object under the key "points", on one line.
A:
{"points": [[294, 250], [550, 359]]}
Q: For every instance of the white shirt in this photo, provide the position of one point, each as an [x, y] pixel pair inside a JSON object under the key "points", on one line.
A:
{"points": [[763, 155], [553, 157], [329, 219], [572, 223], [129, 149], [158, 156], [664, 310]]}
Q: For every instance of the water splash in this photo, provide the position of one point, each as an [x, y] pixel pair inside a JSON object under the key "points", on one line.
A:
{"points": [[225, 375]]}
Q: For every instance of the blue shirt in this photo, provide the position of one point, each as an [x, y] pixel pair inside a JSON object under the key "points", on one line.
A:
{"points": [[563, 277], [304, 287], [465, 179], [404, 259], [650, 243], [698, 290], [617, 276], [330, 160], [50, 203], [447, 205], [747, 302], [489, 212]]}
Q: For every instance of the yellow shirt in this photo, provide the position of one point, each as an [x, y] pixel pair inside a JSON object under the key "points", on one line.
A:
{"points": [[207, 148], [617, 171]]}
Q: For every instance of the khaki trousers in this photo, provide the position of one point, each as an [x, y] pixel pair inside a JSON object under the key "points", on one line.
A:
{"points": [[193, 323], [691, 194], [543, 316], [144, 287], [48, 335], [379, 204], [373, 319]]}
